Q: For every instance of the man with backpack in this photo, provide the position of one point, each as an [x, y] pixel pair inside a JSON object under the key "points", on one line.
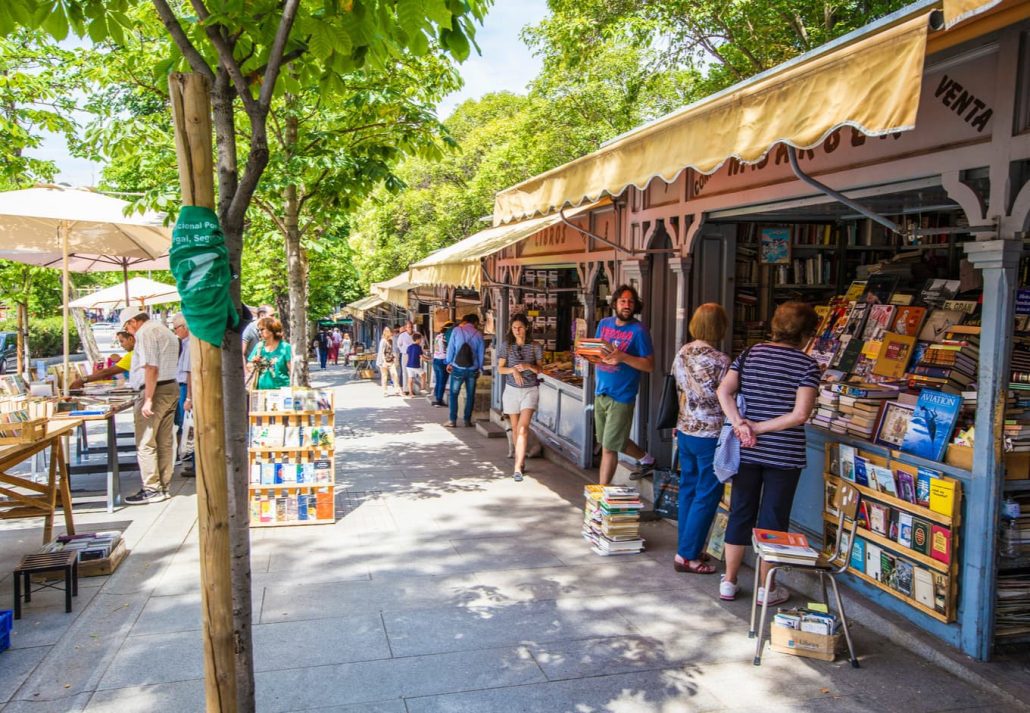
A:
{"points": [[465, 350]]}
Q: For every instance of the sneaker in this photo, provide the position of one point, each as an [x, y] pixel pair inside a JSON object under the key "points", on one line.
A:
{"points": [[778, 595], [438, 403], [146, 495], [468, 424], [642, 470], [727, 590], [518, 477], [450, 424]]}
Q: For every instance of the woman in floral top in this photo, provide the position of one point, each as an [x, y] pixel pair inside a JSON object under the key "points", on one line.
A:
{"points": [[698, 368]]}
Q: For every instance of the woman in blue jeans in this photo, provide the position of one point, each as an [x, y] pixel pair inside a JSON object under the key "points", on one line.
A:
{"points": [[698, 368]]}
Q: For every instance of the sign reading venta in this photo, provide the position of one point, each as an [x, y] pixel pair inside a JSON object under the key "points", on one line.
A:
{"points": [[200, 264]]}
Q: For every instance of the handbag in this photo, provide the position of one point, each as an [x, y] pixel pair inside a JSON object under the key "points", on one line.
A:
{"points": [[666, 493], [669, 405], [727, 451]]}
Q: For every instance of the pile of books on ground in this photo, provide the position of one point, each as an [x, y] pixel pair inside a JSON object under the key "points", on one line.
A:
{"points": [[89, 545], [611, 519], [810, 620], [783, 547]]}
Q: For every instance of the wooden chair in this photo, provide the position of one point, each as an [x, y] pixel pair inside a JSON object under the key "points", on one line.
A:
{"points": [[827, 567]]}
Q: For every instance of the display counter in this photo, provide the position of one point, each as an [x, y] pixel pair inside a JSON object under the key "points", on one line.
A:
{"points": [[561, 419]]}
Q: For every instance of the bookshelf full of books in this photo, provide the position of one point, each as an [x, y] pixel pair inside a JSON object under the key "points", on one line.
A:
{"points": [[291, 451], [909, 519]]}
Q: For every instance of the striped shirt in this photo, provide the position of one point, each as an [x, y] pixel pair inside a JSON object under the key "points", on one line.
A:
{"points": [[770, 380], [531, 353]]}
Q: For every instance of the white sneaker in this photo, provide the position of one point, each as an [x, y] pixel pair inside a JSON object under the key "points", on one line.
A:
{"points": [[727, 590], [778, 595]]}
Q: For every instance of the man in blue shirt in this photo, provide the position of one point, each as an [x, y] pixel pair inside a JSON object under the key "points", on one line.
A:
{"points": [[617, 380], [465, 350]]}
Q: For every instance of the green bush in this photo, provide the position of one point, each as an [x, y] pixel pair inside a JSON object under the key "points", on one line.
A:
{"points": [[46, 336]]}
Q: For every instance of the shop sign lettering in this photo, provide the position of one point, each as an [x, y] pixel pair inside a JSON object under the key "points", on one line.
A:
{"points": [[960, 100]]}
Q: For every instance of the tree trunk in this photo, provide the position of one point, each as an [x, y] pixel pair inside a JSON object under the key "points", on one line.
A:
{"points": [[235, 393], [297, 270]]}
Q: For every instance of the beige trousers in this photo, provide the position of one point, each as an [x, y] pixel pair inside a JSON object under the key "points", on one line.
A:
{"points": [[155, 437]]}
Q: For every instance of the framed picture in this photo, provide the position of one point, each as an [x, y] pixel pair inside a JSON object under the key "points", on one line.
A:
{"points": [[774, 246], [893, 424]]}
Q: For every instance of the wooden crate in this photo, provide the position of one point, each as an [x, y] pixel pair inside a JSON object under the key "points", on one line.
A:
{"points": [[107, 565], [23, 431]]}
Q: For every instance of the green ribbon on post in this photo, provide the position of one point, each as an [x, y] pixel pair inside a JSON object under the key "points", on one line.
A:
{"points": [[200, 264]]}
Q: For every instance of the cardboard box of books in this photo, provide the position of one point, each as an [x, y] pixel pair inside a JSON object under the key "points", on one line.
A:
{"points": [[804, 643]]}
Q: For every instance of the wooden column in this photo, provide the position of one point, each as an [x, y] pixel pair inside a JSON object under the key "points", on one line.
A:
{"points": [[191, 115]]}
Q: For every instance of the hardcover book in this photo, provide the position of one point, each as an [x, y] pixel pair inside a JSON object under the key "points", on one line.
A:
{"points": [[879, 517], [908, 320], [932, 422], [857, 561], [922, 587], [872, 560], [905, 529], [942, 495], [938, 322], [881, 317], [847, 462], [902, 580], [940, 543], [895, 354], [887, 565], [893, 424], [920, 536]]}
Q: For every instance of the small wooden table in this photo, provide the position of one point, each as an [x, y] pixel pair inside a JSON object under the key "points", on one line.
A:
{"points": [[42, 499]]}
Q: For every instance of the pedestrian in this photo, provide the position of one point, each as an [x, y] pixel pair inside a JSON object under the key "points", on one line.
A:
{"points": [[698, 368], [323, 347], [269, 364], [617, 379], [401, 342], [152, 373], [334, 346], [386, 361], [440, 363], [185, 382], [465, 351], [119, 366], [778, 382], [520, 362], [250, 332], [346, 346], [413, 365]]}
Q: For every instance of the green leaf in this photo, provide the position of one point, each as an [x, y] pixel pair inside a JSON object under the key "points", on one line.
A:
{"points": [[97, 29], [321, 41], [436, 10], [410, 15], [456, 42]]}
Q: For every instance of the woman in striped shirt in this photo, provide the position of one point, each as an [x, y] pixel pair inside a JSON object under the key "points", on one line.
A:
{"points": [[779, 383]]}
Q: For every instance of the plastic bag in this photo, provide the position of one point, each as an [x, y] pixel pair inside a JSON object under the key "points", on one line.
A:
{"points": [[186, 442]]}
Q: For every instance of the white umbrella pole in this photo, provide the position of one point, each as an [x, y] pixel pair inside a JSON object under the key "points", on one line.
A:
{"points": [[63, 229], [125, 279]]}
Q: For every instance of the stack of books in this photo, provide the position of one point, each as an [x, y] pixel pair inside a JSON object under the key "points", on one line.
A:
{"points": [[611, 519], [827, 408], [950, 364], [783, 547], [860, 406], [88, 545]]}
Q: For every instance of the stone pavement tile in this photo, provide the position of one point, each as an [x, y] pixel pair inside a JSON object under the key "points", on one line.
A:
{"points": [[393, 706], [44, 620], [71, 704], [498, 553], [15, 667], [496, 624], [292, 602], [164, 658], [304, 688], [180, 612], [604, 577], [667, 691], [584, 658], [177, 697]]}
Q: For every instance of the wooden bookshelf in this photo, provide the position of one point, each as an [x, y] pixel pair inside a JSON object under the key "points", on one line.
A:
{"points": [[911, 602], [906, 552], [888, 499]]}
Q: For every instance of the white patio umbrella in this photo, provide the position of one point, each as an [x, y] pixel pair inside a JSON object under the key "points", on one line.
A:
{"points": [[138, 291], [66, 221]]}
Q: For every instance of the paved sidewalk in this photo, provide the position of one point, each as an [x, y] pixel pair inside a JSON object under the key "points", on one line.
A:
{"points": [[444, 587]]}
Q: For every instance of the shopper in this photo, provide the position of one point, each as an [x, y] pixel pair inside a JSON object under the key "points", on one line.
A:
{"points": [[154, 363], [346, 346], [617, 380], [269, 364], [401, 342], [334, 346], [250, 332], [520, 362], [386, 361], [120, 365], [465, 351], [323, 347], [698, 368], [440, 363], [185, 382], [779, 383], [413, 358]]}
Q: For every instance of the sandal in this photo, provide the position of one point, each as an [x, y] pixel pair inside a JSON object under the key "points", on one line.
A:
{"points": [[699, 568]]}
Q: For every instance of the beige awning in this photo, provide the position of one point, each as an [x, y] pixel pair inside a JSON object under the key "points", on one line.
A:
{"points": [[395, 290], [358, 309], [871, 83], [956, 11], [458, 265]]}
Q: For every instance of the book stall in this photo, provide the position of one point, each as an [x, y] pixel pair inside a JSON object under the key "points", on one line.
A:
{"points": [[291, 447]]}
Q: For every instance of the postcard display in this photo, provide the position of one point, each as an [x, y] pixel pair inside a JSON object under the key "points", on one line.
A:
{"points": [[291, 458]]}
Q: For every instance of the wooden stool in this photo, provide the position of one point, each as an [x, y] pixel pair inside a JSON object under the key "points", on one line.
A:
{"points": [[67, 560]]}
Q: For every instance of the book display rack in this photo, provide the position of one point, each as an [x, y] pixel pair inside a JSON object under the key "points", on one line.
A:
{"points": [[909, 522], [291, 449]]}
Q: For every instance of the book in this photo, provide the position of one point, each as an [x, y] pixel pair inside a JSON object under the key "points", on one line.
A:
{"points": [[893, 424], [774, 246], [855, 291], [872, 560], [906, 485], [887, 565], [883, 479], [937, 322], [920, 536], [861, 473], [895, 354], [905, 522], [942, 495], [922, 587], [788, 547], [879, 517], [903, 575], [847, 462], [849, 354], [929, 429], [936, 291], [881, 317], [880, 287], [940, 592], [857, 561], [908, 320], [940, 543]]}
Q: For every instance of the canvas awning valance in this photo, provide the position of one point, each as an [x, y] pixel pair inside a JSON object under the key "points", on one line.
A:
{"points": [[869, 80], [358, 309], [395, 290], [458, 265]]}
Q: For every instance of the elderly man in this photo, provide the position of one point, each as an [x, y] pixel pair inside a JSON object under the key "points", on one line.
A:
{"points": [[154, 363], [185, 382]]}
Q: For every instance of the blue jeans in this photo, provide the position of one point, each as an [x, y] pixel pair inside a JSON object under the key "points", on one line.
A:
{"points": [[323, 356], [700, 492], [439, 379], [467, 377], [180, 412]]}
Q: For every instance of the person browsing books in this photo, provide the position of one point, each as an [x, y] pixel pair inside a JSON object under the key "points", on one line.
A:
{"points": [[520, 364], [440, 363], [269, 363], [122, 366], [617, 378], [465, 352], [698, 368], [779, 383]]}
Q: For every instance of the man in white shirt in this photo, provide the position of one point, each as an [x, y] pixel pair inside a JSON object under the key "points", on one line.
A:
{"points": [[154, 365], [401, 342]]}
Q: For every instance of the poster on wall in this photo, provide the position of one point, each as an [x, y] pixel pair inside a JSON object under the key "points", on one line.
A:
{"points": [[774, 246]]}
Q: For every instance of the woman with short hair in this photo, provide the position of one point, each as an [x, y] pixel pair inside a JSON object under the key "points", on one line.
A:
{"points": [[778, 382], [269, 361], [698, 368]]}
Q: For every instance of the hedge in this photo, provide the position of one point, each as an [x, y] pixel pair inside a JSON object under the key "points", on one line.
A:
{"points": [[46, 336]]}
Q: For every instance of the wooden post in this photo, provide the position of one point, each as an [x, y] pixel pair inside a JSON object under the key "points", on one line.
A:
{"points": [[191, 115], [23, 353]]}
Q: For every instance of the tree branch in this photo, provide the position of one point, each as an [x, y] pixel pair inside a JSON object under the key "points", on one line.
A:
{"points": [[225, 56], [275, 56], [171, 23], [310, 189], [268, 210]]}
